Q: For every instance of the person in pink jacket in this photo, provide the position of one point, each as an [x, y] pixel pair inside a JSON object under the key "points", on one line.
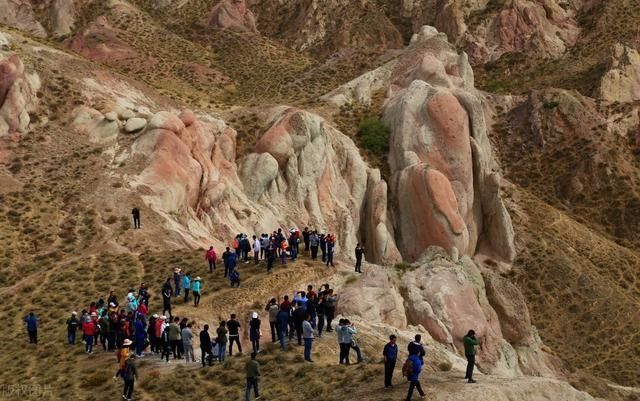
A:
{"points": [[211, 257]]}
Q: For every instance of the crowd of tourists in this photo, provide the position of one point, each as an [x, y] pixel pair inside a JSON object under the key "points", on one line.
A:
{"points": [[129, 330]]}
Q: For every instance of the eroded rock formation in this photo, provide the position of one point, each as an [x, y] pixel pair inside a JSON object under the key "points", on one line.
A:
{"points": [[232, 15], [17, 97]]}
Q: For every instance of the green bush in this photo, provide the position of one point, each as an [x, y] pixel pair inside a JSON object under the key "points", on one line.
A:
{"points": [[374, 135]]}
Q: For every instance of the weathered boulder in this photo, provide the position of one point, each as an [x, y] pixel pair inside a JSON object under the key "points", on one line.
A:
{"points": [[320, 179], [621, 82], [440, 156], [511, 306], [135, 124], [449, 299], [232, 15], [99, 127], [62, 16], [374, 297], [18, 98], [20, 14]]}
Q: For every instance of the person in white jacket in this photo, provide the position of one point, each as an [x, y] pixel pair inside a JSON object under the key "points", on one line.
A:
{"points": [[256, 249]]}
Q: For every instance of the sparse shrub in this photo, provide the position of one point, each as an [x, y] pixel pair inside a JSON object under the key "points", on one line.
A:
{"points": [[403, 266], [445, 366], [374, 135], [550, 104]]}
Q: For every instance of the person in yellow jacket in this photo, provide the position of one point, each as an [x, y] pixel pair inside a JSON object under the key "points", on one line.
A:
{"points": [[122, 354]]}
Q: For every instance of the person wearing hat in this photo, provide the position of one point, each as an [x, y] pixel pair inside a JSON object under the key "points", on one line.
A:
{"points": [[122, 355], [196, 287], [254, 332], [72, 328], [177, 280], [90, 329], [129, 374]]}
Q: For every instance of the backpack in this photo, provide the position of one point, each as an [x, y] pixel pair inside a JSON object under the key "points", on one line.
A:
{"points": [[407, 368]]}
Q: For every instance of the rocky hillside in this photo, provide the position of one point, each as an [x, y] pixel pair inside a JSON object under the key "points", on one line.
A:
{"points": [[506, 198]]}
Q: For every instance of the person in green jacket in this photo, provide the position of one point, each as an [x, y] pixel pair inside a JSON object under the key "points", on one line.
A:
{"points": [[470, 342], [253, 373]]}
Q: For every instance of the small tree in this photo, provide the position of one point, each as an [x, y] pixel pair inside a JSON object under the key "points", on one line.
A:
{"points": [[374, 135]]}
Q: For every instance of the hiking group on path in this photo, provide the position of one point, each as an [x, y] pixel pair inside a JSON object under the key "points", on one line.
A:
{"points": [[128, 330]]}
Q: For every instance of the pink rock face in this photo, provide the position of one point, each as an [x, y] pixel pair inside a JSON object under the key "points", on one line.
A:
{"points": [[450, 149], [20, 14], [17, 97], [448, 300], [99, 42], [233, 15], [430, 200], [526, 25], [8, 74]]}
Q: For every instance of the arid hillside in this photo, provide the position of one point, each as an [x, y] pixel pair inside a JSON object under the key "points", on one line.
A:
{"points": [[485, 152]]}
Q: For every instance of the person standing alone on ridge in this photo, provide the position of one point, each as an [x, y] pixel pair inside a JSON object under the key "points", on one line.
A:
{"points": [[470, 343], [359, 254], [32, 328], [211, 257], [136, 217]]}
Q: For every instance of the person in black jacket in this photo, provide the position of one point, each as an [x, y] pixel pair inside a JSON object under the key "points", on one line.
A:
{"points": [[359, 254], [129, 375], [416, 348], [167, 293], [136, 217], [205, 345], [299, 316]]}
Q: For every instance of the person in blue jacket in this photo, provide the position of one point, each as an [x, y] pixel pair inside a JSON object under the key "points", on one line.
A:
{"points": [[196, 288], [414, 376], [186, 285], [32, 328], [140, 335], [283, 323]]}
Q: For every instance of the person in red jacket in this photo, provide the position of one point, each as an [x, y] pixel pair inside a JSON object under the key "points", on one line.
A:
{"points": [[211, 257], [90, 329], [160, 323]]}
